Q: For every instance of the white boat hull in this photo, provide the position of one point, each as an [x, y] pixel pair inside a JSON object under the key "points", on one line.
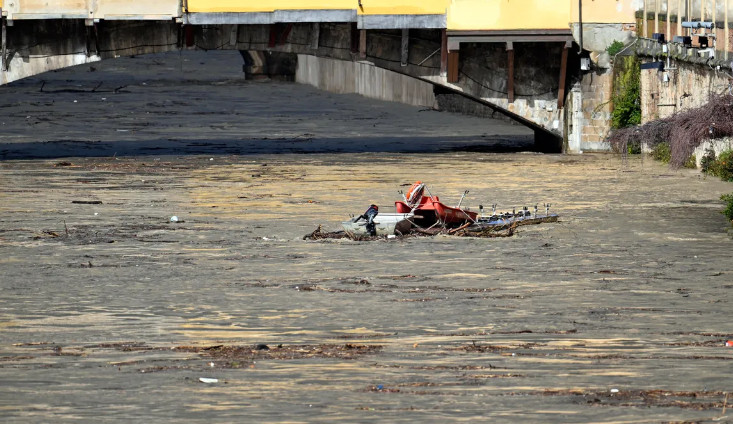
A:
{"points": [[385, 224]]}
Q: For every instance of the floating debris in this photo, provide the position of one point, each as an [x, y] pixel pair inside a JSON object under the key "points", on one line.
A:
{"points": [[420, 213]]}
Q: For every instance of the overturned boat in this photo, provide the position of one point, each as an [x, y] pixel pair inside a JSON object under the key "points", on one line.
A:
{"points": [[385, 224], [431, 210]]}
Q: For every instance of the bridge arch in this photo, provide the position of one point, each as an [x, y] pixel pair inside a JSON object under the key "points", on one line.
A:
{"points": [[484, 72]]}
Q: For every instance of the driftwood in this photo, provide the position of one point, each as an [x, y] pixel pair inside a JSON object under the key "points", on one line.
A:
{"points": [[462, 231]]}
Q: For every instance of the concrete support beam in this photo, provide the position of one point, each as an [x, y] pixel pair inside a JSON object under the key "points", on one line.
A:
{"points": [[5, 45], [266, 18], [510, 71], [401, 21], [233, 35], [405, 47], [443, 54], [362, 44], [315, 36], [453, 61], [455, 38], [354, 38], [563, 75], [279, 34]]}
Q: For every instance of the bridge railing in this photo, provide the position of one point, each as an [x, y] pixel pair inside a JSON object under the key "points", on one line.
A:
{"points": [[668, 17]]}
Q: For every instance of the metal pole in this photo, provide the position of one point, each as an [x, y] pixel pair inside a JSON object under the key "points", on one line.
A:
{"points": [[727, 38], [714, 29], [656, 16], [702, 11], [580, 24], [644, 24], [679, 17]]}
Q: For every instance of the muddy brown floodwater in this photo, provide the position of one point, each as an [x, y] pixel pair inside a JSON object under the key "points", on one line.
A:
{"points": [[110, 312]]}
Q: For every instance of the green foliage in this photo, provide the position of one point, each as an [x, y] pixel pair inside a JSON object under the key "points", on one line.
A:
{"points": [[626, 99], [728, 211], [615, 47], [691, 162], [661, 152], [722, 167], [633, 148], [707, 161]]}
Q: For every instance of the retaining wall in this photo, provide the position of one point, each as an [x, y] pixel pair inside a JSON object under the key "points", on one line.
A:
{"points": [[340, 76]]}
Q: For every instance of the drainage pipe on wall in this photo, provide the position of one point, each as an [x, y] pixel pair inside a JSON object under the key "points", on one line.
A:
{"points": [[580, 25]]}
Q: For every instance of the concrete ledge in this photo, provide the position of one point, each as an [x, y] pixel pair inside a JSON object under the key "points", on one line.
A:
{"points": [[138, 17], [31, 16], [264, 18], [401, 21]]}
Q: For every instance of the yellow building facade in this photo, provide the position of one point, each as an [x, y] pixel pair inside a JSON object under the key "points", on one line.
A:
{"points": [[458, 15]]}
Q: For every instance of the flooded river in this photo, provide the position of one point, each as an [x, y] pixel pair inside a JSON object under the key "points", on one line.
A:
{"points": [[617, 313]]}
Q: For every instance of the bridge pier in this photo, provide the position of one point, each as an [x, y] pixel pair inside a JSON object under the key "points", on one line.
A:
{"points": [[269, 65]]}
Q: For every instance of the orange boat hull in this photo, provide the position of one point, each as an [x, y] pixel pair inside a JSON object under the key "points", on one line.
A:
{"points": [[431, 211]]}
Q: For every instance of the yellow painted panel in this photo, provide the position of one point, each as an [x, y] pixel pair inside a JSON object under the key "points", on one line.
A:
{"points": [[606, 11], [386, 7], [239, 6], [369, 7], [509, 14]]}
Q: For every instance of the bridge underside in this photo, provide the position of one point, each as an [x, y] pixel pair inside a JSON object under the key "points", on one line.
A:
{"points": [[521, 75]]}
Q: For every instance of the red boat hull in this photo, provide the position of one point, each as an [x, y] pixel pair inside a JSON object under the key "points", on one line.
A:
{"points": [[432, 211]]}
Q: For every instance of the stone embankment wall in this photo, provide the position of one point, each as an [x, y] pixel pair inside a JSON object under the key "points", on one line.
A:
{"points": [[590, 121], [340, 76], [683, 85]]}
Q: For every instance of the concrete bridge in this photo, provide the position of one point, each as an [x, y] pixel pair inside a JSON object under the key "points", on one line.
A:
{"points": [[519, 57]]}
